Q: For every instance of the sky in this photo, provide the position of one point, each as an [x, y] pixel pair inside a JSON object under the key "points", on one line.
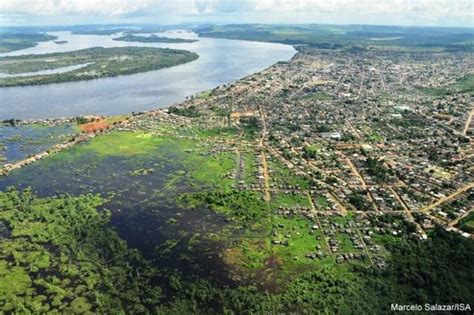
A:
{"points": [[380, 12]]}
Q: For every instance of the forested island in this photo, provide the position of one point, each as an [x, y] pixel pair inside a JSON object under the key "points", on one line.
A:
{"points": [[16, 41], [153, 39], [98, 63]]}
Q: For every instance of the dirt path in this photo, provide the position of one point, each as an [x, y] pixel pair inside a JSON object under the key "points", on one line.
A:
{"points": [[266, 179], [338, 203], [407, 210], [238, 168], [266, 185], [454, 222], [93, 126], [449, 197], [364, 184], [468, 122], [357, 134], [363, 244], [54, 149], [315, 211]]}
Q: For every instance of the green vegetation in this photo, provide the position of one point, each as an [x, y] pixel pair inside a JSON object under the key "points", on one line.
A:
{"points": [[376, 169], [465, 84], [415, 274], [289, 200], [16, 41], [99, 63], [352, 37], [207, 95], [322, 202], [153, 39], [283, 176], [122, 144], [310, 151], [358, 201], [297, 239], [81, 120], [467, 223], [244, 206], [318, 96], [462, 85], [59, 256], [251, 127], [62, 255], [188, 196], [190, 111]]}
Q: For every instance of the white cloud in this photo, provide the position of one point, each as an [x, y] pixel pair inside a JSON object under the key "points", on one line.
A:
{"points": [[390, 11], [62, 7]]}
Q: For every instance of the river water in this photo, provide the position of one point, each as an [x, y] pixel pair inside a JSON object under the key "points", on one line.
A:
{"points": [[220, 61]]}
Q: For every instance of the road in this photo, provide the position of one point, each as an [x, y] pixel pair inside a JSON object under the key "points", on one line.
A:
{"points": [[449, 197], [363, 243], [266, 184], [468, 122], [454, 222], [407, 210], [364, 184], [315, 211]]}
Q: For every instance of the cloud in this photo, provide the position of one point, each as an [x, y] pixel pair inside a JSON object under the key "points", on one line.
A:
{"points": [[225, 6], [304, 11], [72, 7]]}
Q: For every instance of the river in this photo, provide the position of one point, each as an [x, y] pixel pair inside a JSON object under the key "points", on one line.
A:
{"points": [[221, 61]]}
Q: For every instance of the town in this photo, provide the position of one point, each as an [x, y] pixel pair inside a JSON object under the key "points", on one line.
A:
{"points": [[375, 132], [342, 139]]}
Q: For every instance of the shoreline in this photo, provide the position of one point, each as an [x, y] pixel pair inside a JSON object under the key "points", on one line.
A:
{"points": [[84, 136], [124, 106], [48, 120]]}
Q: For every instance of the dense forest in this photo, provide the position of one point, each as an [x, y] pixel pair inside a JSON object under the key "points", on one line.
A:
{"points": [[62, 256], [438, 270]]}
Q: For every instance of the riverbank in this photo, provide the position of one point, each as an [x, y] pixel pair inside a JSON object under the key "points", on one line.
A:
{"points": [[221, 61], [95, 63]]}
